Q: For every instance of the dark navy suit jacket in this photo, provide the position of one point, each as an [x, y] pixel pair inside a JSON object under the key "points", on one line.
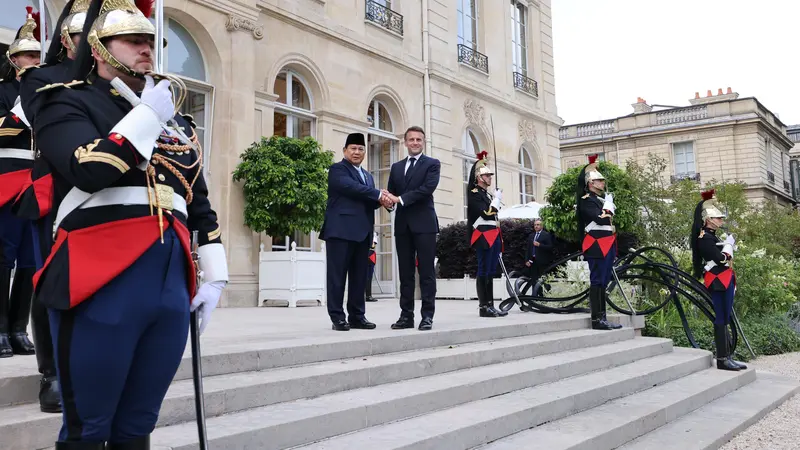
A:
{"points": [[416, 214], [350, 214]]}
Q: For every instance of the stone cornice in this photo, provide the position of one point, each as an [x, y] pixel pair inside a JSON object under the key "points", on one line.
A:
{"points": [[231, 7], [340, 35]]}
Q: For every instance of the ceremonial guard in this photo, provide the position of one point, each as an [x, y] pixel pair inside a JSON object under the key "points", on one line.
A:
{"points": [[373, 259], [128, 190], [599, 238], [16, 161], [484, 233], [711, 260], [35, 201]]}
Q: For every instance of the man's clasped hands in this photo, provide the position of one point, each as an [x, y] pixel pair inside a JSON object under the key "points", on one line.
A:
{"points": [[388, 200]]}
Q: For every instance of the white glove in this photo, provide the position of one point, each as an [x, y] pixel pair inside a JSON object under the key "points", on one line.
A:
{"points": [[498, 194], [17, 110], [730, 245], [730, 240], [206, 299], [159, 98], [608, 203]]}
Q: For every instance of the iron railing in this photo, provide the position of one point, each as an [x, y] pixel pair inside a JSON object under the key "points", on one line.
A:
{"points": [[384, 17], [526, 84], [473, 58]]}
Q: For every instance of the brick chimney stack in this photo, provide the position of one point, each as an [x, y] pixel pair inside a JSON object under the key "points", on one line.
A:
{"points": [[641, 106], [710, 98]]}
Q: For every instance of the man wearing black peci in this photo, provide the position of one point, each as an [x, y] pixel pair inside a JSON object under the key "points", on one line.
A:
{"points": [[412, 182]]}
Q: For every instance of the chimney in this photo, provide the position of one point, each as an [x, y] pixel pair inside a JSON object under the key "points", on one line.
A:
{"points": [[709, 98], [641, 106]]}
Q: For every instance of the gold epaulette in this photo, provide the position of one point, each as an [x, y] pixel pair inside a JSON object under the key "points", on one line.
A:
{"points": [[585, 196], [474, 190], [702, 233], [26, 69], [60, 85]]}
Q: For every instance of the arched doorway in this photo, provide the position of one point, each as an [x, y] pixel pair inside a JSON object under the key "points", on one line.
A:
{"points": [[383, 148]]}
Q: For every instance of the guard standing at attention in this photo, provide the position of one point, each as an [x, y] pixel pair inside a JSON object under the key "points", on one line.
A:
{"points": [[484, 233], [35, 200], [711, 260], [16, 161], [599, 238], [120, 282]]}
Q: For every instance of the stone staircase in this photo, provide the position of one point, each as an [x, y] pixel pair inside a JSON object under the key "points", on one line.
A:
{"points": [[524, 381]]}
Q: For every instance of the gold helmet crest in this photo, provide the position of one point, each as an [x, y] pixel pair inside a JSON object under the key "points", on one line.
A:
{"points": [[73, 23], [28, 39], [118, 18]]}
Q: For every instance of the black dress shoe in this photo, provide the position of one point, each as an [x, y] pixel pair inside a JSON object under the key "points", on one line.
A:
{"points": [[21, 344], [341, 325], [141, 443], [49, 395], [371, 299], [80, 446], [426, 324], [362, 324], [5, 347], [403, 323]]}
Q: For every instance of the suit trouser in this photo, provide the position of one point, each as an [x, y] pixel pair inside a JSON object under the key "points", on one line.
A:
{"points": [[412, 247], [346, 261], [118, 351]]}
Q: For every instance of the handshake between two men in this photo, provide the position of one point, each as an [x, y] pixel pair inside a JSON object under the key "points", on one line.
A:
{"points": [[388, 200]]}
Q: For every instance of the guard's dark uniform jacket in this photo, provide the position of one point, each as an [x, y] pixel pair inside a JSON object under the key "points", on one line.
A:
{"points": [[16, 156], [479, 209], [717, 273], [102, 225], [36, 197], [597, 242]]}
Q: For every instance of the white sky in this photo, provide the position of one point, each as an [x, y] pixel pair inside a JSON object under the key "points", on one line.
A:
{"points": [[609, 52]]}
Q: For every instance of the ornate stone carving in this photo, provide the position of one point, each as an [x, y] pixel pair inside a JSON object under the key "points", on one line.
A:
{"points": [[527, 131], [474, 112], [238, 23]]}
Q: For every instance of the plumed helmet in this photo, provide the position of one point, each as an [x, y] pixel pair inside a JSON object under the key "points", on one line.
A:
{"points": [[27, 38]]}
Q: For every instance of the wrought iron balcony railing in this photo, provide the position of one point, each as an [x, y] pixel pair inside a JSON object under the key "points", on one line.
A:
{"points": [[786, 187], [770, 177], [526, 84], [685, 176], [384, 17], [473, 58]]}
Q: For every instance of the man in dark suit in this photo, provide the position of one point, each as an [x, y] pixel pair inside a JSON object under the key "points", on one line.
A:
{"points": [[347, 229], [412, 182], [539, 251]]}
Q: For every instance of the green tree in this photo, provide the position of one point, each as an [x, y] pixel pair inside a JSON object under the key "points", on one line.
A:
{"points": [[285, 185], [560, 215]]}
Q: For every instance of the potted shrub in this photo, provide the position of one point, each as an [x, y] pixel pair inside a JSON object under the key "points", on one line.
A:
{"points": [[285, 191]]}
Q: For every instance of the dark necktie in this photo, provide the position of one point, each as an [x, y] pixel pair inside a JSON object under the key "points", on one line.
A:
{"points": [[410, 168], [535, 239]]}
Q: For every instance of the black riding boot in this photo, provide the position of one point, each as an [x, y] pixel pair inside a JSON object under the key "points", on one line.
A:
{"points": [[5, 284], [19, 313], [49, 392], [597, 305], [81, 446], [142, 443], [724, 360], [484, 309], [368, 292], [490, 297], [728, 340]]}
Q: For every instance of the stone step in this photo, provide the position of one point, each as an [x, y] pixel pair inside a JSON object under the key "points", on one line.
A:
{"points": [[716, 423], [483, 421], [612, 424], [19, 381], [235, 392], [305, 421]]}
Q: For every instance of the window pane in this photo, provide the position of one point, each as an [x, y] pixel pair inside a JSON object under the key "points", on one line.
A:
{"points": [[280, 125], [300, 98], [280, 87], [384, 122], [183, 54], [195, 104], [301, 127]]}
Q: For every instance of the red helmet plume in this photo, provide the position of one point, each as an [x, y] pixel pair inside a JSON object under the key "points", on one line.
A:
{"points": [[36, 18], [708, 195], [592, 159], [482, 155], [145, 6]]}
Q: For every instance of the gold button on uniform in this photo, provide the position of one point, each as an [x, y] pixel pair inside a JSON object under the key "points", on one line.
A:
{"points": [[117, 136], [161, 177]]}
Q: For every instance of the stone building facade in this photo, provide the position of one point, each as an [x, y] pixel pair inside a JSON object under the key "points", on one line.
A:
{"points": [[467, 71], [721, 137]]}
